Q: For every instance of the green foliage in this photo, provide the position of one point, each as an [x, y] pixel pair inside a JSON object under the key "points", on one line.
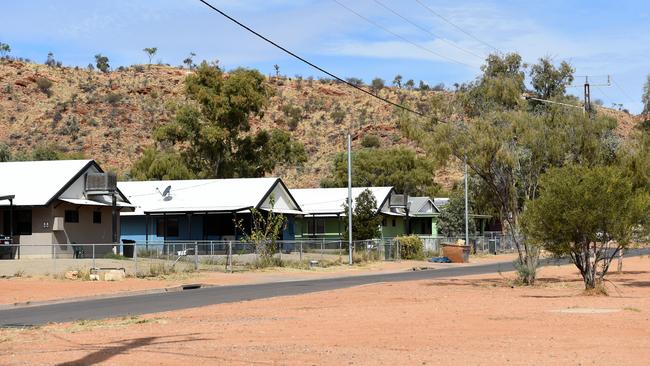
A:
{"points": [[584, 211], [150, 51], [44, 85], [411, 247], [5, 152], [507, 147], [71, 128], [294, 113], [635, 159], [410, 84], [451, 222], [365, 219], [499, 88], [189, 61], [5, 49], [377, 85], [267, 228], [113, 98], [397, 81], [102, 63], [159, 165], [645, 98], [338, 114], [548, 81], [397, 167], [370, 141], [355, 81], [211, 134], [49, 151]]}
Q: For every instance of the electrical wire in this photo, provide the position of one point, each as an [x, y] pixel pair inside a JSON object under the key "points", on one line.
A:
{"points": [[385, 100], [622, 90], [453, 44], [399, 36], [455, 26]]}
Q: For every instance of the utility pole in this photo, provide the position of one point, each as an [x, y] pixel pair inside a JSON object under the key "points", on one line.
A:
{"points": [[586, 87], [349, 198], [466, 207]]}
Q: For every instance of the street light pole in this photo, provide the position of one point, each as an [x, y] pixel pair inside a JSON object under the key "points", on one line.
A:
{"points": [[349, 198], [466, 206]]}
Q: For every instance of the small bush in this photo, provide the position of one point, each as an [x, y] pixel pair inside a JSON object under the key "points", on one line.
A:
{"points": [[112, 255], [377, 85], [44, 85], [113, 98], [411, 247], [337, 115], [370, 141]]}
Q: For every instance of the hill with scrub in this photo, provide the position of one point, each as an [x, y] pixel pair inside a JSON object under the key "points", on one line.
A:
{"points": [[111, 116]]}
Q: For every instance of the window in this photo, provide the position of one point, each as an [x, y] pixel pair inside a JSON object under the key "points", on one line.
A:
{"points": [[22, 222], [71, 216], [393, 222], [171, 229], [320, 226], [97, 217]]}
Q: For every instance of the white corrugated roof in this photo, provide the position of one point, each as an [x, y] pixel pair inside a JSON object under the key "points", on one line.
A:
{"points": [[198, 195], [440, 202], [330, 200], [34, 183]]}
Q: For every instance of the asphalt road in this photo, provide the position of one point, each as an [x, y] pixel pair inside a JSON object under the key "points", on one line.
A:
{"points": [[158, 302]]}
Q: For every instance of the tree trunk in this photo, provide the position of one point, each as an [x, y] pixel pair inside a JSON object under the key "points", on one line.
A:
{"points": [[619, 267], [589, 273]]}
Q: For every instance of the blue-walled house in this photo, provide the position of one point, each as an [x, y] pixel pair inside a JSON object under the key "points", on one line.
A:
{"points": [[196, 210]]}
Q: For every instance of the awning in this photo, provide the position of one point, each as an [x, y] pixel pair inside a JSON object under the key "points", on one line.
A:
{"points": [[85, 202]]}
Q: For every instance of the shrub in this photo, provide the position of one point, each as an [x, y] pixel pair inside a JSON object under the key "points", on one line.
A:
{"points": [[377, 85], [354, 81], [294, 113], [338, 115], [44, 85], [370, 141], [113, 98], [411, 247]]}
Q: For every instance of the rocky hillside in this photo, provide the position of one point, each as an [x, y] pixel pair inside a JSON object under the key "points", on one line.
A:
{"points": [[110, 117]]}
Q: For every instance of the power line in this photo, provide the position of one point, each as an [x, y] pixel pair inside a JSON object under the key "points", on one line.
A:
{"points": [[453, 44], [399, 36], [385, 100], [455, 26], [622, 91]]}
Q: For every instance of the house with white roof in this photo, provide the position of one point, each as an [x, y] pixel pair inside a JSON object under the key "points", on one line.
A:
{"points": [[325, 210], [202, 209], [64, 202], [422, 216]]}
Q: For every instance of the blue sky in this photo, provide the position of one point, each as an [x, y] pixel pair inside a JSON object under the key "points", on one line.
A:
{"points": [[598, 37]]}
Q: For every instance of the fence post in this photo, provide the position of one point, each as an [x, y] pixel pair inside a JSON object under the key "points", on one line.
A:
{"points": [[397, 253], [135, 258], [322, 243], [229, 259], [93, 255], [196, 256], [340, 241], [300, 251], [54, 254]]}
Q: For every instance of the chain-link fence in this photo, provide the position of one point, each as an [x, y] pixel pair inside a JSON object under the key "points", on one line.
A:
{"points": [[159, 258]]}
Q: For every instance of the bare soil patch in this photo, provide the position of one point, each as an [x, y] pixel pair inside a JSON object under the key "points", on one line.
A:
{"points": [[469, 321], [33, 289]]}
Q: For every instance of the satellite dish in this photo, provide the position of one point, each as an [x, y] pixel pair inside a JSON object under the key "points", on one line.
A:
{"points": [[166, 194]]}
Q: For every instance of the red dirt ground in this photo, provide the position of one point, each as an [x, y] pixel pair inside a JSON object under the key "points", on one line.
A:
{"points": [[465, 321], [26, 289]]}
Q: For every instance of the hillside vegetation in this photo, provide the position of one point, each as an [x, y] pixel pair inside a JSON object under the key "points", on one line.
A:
{"points": [[111, 116]]}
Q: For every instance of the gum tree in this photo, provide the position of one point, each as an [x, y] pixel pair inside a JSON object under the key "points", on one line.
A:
{"points": [[588, 214]]}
